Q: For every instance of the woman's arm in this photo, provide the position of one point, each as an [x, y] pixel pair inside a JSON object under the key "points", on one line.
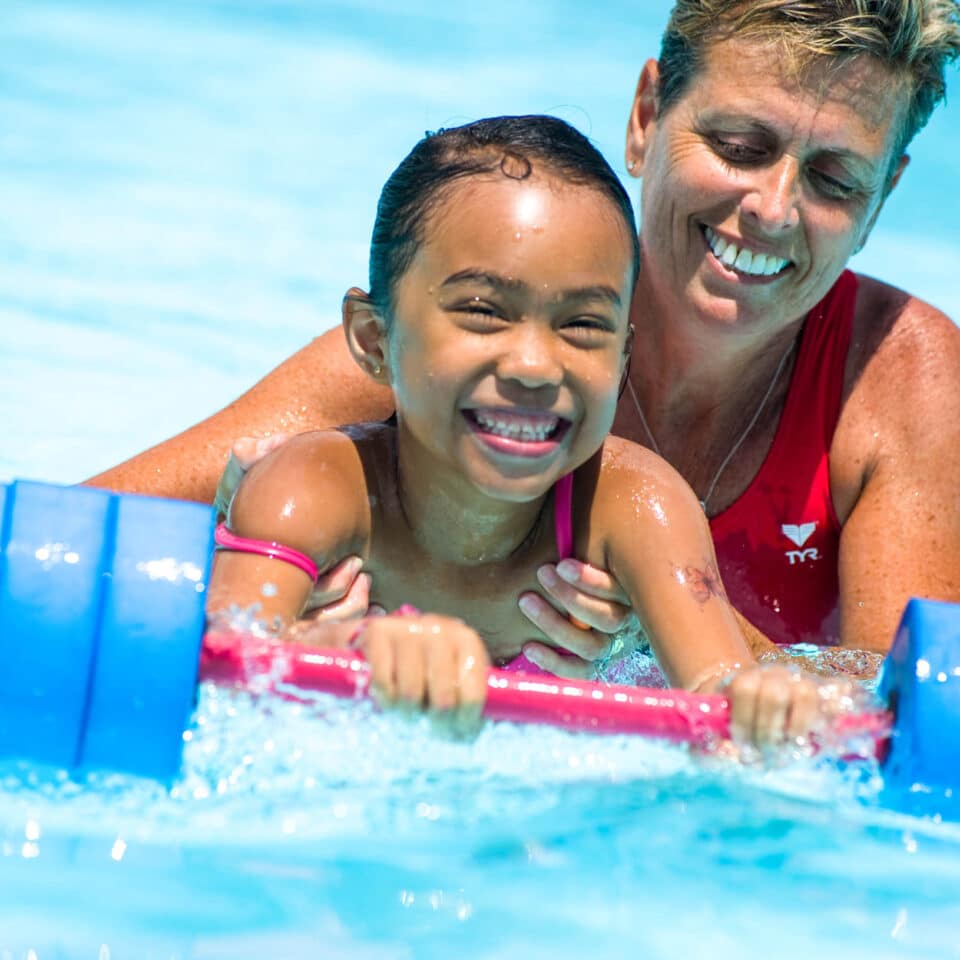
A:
{"points": [[895, 465], [318, 387]]}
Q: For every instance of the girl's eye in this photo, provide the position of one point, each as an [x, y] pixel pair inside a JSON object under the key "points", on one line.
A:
{"points": [[479, 314], [587, 328], [476, 306]]}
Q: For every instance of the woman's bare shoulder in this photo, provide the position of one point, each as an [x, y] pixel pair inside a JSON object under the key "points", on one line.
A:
{"points": [[901, 401], [894, 330]]}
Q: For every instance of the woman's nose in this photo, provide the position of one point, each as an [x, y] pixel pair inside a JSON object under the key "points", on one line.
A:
{"points": [[773, 199]]}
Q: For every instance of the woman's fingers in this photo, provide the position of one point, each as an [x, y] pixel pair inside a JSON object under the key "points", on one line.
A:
{"points": [[570, 668], [342, 593], [588, 645], [586, 593], [249, 450], [246, 451]]}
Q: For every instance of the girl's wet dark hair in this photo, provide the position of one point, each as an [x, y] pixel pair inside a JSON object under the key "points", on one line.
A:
{"points": [[512, 146]]}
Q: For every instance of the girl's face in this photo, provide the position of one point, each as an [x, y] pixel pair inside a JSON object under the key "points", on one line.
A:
{"points": [[509, 330], [757, 187]]}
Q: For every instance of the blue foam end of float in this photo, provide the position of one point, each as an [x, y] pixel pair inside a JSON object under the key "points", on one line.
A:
{"points": [[101, 620], [153, 613], [921, 683]]}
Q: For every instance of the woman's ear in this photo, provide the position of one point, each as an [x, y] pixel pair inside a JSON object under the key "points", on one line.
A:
{"points": [[366, 334], [642, 114]]}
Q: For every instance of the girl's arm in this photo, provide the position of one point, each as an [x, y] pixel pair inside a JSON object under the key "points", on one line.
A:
{"points": [[308, 495], [647, 527]]}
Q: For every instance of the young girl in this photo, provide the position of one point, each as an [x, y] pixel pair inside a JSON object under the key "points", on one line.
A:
{"points": [[503, 260]]}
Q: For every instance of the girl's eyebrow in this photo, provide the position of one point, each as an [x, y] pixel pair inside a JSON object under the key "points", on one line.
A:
{"points": [[511, 284]]}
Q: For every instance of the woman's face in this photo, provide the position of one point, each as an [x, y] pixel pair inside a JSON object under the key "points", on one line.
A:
{"points": [[757, 188], [508, 334]]}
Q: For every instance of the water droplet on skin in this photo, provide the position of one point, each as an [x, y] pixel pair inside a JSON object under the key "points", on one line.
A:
{"points": [[269, 590]]}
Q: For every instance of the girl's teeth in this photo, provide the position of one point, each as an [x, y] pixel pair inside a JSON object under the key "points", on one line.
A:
{"points": [[517, 428], [754, 264]]}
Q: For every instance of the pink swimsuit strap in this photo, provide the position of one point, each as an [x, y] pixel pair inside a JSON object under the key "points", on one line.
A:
{"points": [[226, 540], [563, 515]]}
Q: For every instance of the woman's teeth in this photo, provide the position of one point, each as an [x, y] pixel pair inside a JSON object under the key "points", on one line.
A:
{"points": [[515, 427], [743, 260]]}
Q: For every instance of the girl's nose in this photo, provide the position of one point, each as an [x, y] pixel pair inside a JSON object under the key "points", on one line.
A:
{"points": [[773, 199], [531, 357]]}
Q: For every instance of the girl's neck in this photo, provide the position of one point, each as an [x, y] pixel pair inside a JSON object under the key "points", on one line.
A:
{"points": [[452, 521]]}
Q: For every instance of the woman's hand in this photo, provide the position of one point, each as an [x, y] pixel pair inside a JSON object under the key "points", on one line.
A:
{"points": [[343, 592], [426, 662], [588, 595]]}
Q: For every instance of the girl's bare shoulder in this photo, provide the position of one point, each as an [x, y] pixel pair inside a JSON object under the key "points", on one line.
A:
{"points": [[632, 493], [629, 470], [313, 492]]}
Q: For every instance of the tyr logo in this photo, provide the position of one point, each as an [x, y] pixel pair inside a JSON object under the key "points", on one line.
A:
{"points": [[800, 533]]}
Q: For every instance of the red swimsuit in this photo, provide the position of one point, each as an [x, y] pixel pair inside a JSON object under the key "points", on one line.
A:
{"points": [[778, 544]]}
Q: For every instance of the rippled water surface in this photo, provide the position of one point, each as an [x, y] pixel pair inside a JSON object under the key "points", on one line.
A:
{"points": [[187, 189]]}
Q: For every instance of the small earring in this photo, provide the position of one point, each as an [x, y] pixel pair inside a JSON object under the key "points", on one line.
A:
{"points": [[377, 369], [630, 164]]}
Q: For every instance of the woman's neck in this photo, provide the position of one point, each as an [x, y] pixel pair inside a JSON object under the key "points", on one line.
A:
{"points": [[685, 369], [452, 521]]}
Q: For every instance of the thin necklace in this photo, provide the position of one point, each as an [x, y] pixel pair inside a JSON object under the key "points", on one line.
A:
{"points": [[743, 436]]}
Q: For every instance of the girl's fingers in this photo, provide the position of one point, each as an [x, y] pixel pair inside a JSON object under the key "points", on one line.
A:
{"points": [[594, 598], [742, 690], [443, 674], [378, 648], [411, 661], [772, 710]]}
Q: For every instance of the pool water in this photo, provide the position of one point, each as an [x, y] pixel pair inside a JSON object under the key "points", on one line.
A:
{"points": [[323, 828], [187, 188]]}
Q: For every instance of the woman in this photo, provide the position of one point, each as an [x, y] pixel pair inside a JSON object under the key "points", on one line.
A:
{"points": [[816, 414]]}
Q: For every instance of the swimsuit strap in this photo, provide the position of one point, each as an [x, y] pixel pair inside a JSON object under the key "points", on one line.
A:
{"points": [[563, 515], [226, 540]]}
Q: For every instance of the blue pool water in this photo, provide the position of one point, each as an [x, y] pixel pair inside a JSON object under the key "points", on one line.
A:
{"points": [[187, 188]]}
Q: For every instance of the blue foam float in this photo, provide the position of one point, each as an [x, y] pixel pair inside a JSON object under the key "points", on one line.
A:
{"points": [[102, 602], [101, 622]]}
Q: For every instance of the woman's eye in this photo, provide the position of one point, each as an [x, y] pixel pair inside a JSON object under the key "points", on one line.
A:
{"points": [[830, 186], [736, 151]]}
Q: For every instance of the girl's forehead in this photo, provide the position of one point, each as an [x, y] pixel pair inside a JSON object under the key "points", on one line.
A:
{"points": [[493, 203], [542, 235]]}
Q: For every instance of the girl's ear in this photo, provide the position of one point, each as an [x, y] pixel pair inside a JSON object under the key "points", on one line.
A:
{"points": [[366, 334], [642, 114]]}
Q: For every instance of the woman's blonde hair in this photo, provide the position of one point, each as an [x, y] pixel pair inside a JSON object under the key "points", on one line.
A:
{"points": [[914, 39]]}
